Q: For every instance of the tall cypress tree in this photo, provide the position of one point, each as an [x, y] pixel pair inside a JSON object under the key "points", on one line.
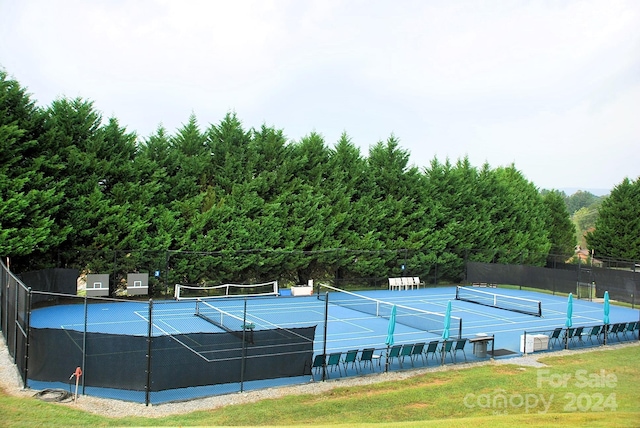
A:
{"points": [[397, 211], [231, 159], [29, 195], [188, 163], [518, 214], [561, 231], [617, 231], [304, 208], [74, 133]]}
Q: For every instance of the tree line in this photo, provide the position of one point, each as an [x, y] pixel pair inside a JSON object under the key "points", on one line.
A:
{"points": [[76, 189]]}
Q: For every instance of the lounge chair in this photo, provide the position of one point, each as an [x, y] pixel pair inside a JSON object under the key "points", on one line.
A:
{"points": [[631, 327], [568, 336], [394, 352], [595, 332], [460, 343], [432, 348], [613, 331], [621, 328], [446, 348], [555, 335], [334, 361], [367, 357], [416, 352], [318, 363], [350, 358], [406, 351], [578, 333], [605, 332]]}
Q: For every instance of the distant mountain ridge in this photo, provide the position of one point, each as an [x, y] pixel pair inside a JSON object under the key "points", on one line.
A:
{"points": [[597, 192]]}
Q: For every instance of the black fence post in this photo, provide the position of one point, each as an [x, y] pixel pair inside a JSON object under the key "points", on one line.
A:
{"points": [[324, 340], [84, 342], [244, 346], [115, 273], [16, 316], [147, 395], [27, 330]]}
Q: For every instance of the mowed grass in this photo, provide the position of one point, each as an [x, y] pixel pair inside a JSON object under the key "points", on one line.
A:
{"points": [[600, 388]]}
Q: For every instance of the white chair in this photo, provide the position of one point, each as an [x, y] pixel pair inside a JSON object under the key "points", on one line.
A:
{"points": [[394, 284]]}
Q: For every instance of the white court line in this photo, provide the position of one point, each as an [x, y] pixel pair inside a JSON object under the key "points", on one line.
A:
{"points": [[175, 339], [80, 326], [552, 312], [271, 325], [170, 326], [255, 315], [293, 323], [589, 319], [482, 315], [360, 327], [562, 314]]}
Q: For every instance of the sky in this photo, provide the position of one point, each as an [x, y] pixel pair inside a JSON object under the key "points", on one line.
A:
{"points": [[552, 87]]}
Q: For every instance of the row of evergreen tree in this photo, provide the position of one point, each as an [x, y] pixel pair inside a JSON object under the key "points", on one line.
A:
{"points": [[75, 188]]}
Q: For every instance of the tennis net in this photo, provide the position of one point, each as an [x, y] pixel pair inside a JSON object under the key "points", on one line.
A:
{"points": [[224, 320], [432, 322], [500, 301], [241, 327], [193, 292]]}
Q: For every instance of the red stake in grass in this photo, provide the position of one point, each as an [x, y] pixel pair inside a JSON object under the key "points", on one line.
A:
{"points": [[77, 374]]}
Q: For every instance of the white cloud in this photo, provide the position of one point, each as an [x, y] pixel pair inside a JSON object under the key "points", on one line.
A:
{"points": [[500, 81]]}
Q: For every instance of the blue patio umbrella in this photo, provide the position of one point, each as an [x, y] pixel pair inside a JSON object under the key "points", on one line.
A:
{"points": [[392, 326], [569, 323], [447, 322], [606, 308]]}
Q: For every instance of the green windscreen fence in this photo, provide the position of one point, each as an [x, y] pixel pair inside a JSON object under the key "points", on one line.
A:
{"points": [[176, 361], [622, 284]]}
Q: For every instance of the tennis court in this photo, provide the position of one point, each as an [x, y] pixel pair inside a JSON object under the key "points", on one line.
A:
{"points": [[346, 328], [507, 326]]}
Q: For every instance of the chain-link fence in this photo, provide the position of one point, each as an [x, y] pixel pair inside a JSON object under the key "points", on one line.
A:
{"points": [[149, 351], [584, 280], [160, 351], [14, 314]]}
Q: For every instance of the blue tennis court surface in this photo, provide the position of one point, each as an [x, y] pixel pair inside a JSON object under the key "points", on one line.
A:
{"points": [[346, 329]]}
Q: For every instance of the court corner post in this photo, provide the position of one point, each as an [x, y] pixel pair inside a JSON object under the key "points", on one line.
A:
{"points": [[493, 347], [324, 340], [147, 388]]}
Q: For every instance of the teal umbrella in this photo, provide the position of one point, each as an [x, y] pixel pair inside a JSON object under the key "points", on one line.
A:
{"points": [[606, 308], [447, 322], [569, 323], [392, 326]]}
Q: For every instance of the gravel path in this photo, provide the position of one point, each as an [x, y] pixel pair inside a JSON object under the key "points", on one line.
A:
{"points": [[12, 384]]}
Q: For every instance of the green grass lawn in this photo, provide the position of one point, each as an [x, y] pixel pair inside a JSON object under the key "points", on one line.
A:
{"points": [[600, 388]]}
